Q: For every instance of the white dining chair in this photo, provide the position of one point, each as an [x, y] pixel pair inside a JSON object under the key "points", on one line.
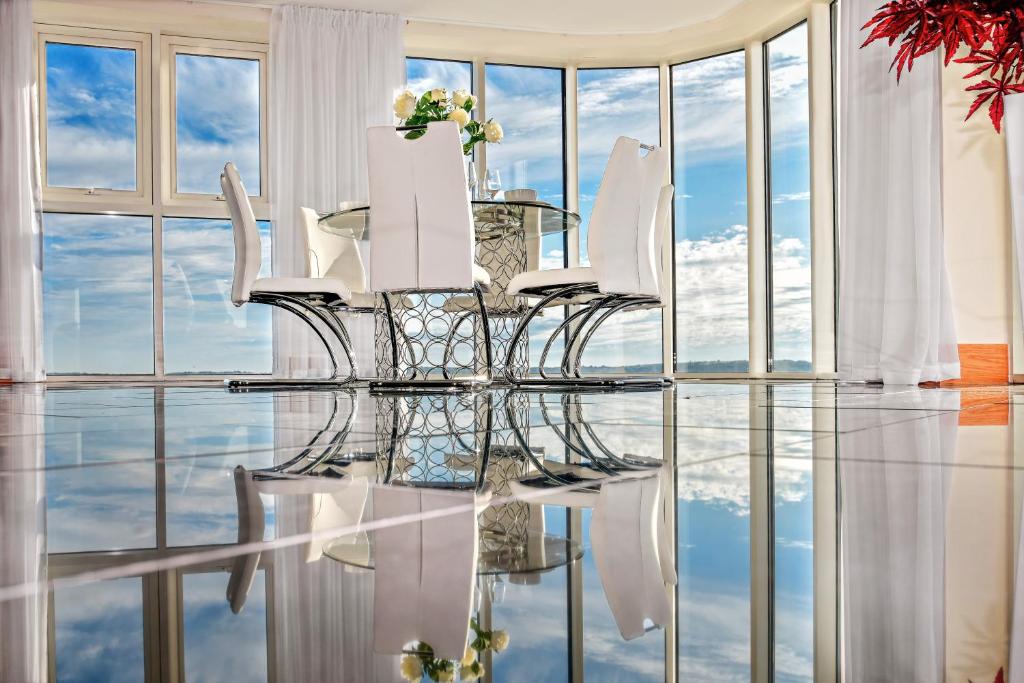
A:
{"points": [[629, 538], [624, 270], [425, 558], [314, 300], [422, 237]]}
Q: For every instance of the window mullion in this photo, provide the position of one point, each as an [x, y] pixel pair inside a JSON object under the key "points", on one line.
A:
{"points": [[159, 148], [757, 226]]}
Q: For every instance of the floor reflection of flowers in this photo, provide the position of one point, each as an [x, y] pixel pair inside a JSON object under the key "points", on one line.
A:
{"points": [[420, 660]]}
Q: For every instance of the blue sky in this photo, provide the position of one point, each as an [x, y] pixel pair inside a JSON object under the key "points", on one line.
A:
{"points": [[105, 323]]}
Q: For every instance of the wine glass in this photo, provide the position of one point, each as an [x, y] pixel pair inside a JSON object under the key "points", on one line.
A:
{"points": [[493, 183]]}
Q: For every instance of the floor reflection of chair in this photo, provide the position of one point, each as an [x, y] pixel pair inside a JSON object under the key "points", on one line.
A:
{"points": [[631, 498], [334, 477], [425, 567]]}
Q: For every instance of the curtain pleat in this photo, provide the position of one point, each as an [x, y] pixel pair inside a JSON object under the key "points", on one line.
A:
{"points": [[21, 309], [895, 310], [333, 73]]}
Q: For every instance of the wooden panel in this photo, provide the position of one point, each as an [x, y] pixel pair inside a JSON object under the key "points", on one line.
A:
{"points": [[984, 408], [982, 364]]}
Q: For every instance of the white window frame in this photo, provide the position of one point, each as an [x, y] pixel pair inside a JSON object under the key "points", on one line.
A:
{"points": [[141, 44], [171, 47], [154, 197]]}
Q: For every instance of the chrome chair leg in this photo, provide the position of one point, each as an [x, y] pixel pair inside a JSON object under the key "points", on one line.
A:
{"points": [[569, 319], [572, 367], [570, 343], [520, 330], [485, 323]]}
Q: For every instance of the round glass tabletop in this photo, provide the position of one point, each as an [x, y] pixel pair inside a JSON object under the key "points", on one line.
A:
{"points": [[534, 551], [493, 220]]}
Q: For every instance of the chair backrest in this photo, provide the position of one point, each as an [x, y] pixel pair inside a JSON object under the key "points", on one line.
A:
{"points": [[425, 569], [621, 238], [421, 234], [627, 533], [332, 255], [662, 225], [246, 234]]}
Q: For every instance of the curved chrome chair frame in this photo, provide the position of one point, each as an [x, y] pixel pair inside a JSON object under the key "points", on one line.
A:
{"points": [[580, 326], [310, 309]]}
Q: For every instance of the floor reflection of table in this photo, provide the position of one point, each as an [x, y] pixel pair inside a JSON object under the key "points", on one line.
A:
{"points": [[537, 552], [508, 242]]}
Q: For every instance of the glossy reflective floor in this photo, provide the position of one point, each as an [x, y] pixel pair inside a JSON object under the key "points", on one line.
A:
{"points": [[708, 532]]}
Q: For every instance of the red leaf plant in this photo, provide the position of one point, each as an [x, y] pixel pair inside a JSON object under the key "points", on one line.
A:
{"points": [[992, 30]]}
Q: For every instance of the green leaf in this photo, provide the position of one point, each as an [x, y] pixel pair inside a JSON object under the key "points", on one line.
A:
{"points": [[468, 106]]}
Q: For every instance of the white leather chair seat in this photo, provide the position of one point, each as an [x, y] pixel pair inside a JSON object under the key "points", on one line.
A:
{"points": [[302, 285], [533, 282]]}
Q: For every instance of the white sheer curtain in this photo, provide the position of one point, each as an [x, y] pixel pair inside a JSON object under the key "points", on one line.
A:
{"points": [[23, 654], [895, 311], [21, 310], [333, 73], [894, 478]]}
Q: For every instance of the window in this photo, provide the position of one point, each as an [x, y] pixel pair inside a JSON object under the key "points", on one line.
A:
{"points": [[137, 249], [211, 131], [710, 178], [204, 331], [220, 645], [529, 103], [98, 294], [94, 94], [789, 193], [613, 103]]}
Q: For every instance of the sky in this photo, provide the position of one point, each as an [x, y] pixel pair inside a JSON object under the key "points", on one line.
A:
{"points": [[103, 324]]}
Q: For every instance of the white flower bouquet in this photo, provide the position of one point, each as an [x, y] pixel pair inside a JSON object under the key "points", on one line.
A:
{"points": [[420, 659], [438, 105]]}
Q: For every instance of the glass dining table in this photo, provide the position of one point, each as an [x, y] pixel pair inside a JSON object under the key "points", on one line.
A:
{"points": [[509, 237]]}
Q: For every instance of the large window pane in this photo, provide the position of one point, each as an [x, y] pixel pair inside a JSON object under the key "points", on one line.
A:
{"points": [[790, 208], [90, 117], [528, 103], [220, 645], [612, 103], [98, 294], [203, 330], [426, 74], [213, 130], [98, 632], [710, 176]]}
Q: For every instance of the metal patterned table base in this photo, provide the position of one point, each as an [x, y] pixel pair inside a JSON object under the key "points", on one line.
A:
{"points": [[418, 340]]}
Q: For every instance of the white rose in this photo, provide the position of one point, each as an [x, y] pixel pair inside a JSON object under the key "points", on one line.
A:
{"points": [[459, 116], [499, 639], [493, 131], [460, 97], [446, 675], [469, 657], [405, 105], [438, 95], [411, 668]]}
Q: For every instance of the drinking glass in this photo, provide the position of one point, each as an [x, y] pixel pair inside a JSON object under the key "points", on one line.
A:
{"points": [[493, 183]]}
